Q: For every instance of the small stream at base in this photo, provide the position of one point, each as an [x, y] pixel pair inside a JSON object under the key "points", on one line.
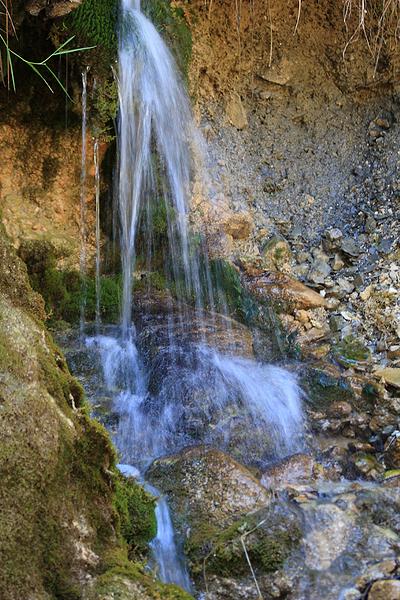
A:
{"points": [[169, 561]]}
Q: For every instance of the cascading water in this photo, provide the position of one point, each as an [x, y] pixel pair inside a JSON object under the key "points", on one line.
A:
{"points": [[177, 378], [98, 256], [82, 259]]}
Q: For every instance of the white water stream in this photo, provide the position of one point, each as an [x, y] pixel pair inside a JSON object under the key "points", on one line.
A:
{"points": [[198, 393]]}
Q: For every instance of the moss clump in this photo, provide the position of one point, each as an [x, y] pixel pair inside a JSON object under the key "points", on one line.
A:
{"points": [[136, 512], [103, 110], [64, 292], [95, 22], [126, 580], [269, 538], [350, 351]]}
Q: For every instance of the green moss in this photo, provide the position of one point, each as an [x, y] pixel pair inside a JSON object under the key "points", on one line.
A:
{"points": [[95, 21], [64, 292], [104, 108], [222, 552], [136, 511], [119, 573], [350, 351]]}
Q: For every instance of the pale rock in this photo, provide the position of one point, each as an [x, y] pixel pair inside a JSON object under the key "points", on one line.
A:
{"points": [[390, 375], [386, 589], [299, 468], [366, 294], [345, 285], [286, 290], [319, 271], [239, 225], [376, 571], [303, 316], [337, 263], [236, 112]]}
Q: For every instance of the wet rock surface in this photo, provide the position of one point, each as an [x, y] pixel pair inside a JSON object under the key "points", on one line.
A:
{"points": [[319, 539]]}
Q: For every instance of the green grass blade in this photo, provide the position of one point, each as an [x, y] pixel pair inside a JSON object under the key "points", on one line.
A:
{"points": [[59, 82], [34, 68]]}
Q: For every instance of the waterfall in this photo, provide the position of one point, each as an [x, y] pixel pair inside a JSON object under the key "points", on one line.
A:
{"points": [[154, 112], [98, 256], [82, 259], [182, 374]]}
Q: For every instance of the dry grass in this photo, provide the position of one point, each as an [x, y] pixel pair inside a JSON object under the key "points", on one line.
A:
{"points": [[378, 21], [375, 21]]}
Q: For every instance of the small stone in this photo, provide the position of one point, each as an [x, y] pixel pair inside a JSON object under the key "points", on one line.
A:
{"points": [[236, 113], [336, 323], [345, 285], [387, 589], [296, 469], [358, 280], [332, 303], [319, 271], [337, 263], [349, 246], [366, 294], [332, 240], [392, 451], [339, 409], [382, 122]]}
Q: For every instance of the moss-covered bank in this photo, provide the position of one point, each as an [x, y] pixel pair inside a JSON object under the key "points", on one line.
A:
{"points": [[64, 510]]}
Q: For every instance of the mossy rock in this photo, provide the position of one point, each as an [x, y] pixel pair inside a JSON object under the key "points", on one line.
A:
{"points": [[322, 388], [65, 292], [136, 509], [125, 580], [269, 536], [350, 351]]}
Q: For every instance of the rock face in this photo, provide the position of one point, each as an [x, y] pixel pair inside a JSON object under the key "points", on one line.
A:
{"points": [[297, 469], [50, 455], [280, 288], [204, 484], [385, 590], [40, 189], [218, 506]]}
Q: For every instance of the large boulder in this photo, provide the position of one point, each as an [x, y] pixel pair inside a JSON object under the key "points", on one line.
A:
{"points": [[294, 470], [206, 485], [222, 512], [285, 291]]}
